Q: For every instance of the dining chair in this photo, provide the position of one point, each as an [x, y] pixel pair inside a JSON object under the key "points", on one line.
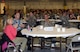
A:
{"points": [[35, 43], [48, 42], [40, 42], [73, 44], [52, 43], [16, 48]]}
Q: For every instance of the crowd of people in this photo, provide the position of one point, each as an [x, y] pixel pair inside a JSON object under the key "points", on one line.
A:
{"points": [[55, 14], [21, 21], [39, 14]]}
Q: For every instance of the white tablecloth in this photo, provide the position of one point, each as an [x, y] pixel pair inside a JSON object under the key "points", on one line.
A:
{"points": [[59, 20], [41, 33]]}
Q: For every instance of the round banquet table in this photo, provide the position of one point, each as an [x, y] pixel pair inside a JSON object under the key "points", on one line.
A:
{"points": [[37, 32]]}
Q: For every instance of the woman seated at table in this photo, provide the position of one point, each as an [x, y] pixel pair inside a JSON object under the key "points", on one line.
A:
{"points": [[9, 35], [18, 21]]}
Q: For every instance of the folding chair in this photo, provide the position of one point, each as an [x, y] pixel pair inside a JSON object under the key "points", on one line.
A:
{"points": [[4, 42], [73, 44], [18, 44], [16, 48], [36, 43]]}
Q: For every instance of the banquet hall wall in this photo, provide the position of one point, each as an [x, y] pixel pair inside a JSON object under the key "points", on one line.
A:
{"points": [[12, 5]]}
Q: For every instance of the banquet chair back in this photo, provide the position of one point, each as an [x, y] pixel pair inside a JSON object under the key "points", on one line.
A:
{"points": [[7, 43], [4, 42], [36, 42], [16, 47], [76, 38], [74, 44]]}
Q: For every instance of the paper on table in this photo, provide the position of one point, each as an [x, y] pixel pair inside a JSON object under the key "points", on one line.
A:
{"points": [[48, 28]]}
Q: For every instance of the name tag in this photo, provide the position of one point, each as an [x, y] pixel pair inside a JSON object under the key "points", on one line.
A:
{"points": [[48, 28]]}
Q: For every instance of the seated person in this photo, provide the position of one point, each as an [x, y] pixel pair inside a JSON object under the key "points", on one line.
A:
{"points": [[17, 20], [64, 19], [31, 20], [10, 33], [47, 23]]}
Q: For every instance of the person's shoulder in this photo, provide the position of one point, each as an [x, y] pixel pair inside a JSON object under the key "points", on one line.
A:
{"points": [[9, 25]]}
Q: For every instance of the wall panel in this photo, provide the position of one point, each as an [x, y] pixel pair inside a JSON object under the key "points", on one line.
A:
{"points": [[42, 5]]}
